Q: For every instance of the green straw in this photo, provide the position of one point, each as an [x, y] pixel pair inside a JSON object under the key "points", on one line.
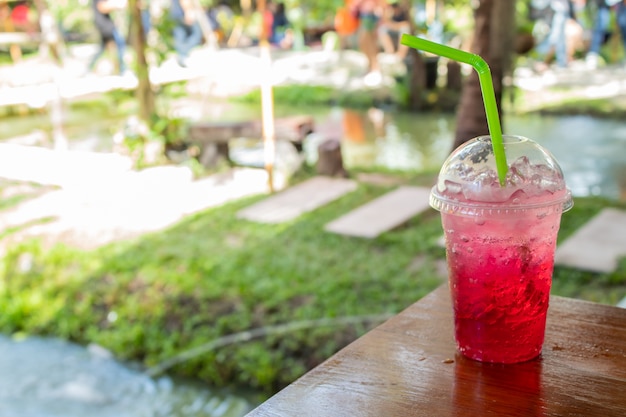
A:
{"points": [[486, 86]]}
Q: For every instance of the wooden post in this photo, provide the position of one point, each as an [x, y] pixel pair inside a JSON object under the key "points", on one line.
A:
{"points": [[267, 100], [52, 47], [330, 160]]}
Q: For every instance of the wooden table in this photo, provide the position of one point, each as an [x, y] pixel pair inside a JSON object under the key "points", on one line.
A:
{"points": [[408, 367]]}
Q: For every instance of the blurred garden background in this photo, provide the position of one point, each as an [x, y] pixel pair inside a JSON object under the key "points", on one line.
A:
{"points": [[127, 282]]}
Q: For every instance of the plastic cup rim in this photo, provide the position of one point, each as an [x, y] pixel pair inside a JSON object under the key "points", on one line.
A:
{"points": [[449, 205]]}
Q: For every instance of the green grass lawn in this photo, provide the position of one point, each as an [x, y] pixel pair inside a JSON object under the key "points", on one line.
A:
{"points": [[212, 275]]}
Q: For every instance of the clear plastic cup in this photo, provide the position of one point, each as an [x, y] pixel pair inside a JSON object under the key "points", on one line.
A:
{"points": [[500, 243]]}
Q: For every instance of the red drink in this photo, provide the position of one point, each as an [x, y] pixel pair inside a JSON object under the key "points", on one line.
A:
{"points": [[500, 242], [500, 273]]}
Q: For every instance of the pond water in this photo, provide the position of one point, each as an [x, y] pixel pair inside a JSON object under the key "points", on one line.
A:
{"points": [[42, 377], [589, 150]]}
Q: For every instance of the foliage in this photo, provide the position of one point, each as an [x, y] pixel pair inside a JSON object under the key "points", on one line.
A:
{"points": [[172, 90], [312, 95], [214, 274], [293, 95], [458, 19], [524, 19], [137, 138], [160, 46], [169, 130]]}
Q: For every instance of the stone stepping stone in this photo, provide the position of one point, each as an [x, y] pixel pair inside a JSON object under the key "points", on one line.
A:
{"points": [[296, 200], [382, 214], [597, 245]]}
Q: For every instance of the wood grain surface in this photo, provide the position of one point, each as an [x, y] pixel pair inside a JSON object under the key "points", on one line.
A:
{"points": [[408, 366]]}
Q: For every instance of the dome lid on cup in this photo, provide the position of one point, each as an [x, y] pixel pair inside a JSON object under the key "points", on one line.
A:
{"points": [[468, 180]]}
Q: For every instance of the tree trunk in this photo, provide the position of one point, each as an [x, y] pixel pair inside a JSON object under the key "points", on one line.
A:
{"points": [[493, 41], [144, 93], [454, 78], [503, 33], [417, 79]]}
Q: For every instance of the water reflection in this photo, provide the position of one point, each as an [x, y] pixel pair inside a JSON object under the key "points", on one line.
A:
{"points": [[482, 389], [385, 140], [389, 140]]}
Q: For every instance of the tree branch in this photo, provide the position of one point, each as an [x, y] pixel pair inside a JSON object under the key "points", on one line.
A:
{"points": [[248, 335]]}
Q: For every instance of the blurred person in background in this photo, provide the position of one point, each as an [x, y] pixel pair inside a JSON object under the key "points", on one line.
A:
{"points": [[187, 32], [563, 10], [108, 32], [346, 24], [395, 22], [146, 17], [281, 34], [22, 18], [369, 13], [555, 44], [600, 30]]}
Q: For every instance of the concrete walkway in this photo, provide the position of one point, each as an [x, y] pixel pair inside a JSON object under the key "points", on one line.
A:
{"points": [[382, 214], [597, 245], [90, 199], [297, 200]]}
